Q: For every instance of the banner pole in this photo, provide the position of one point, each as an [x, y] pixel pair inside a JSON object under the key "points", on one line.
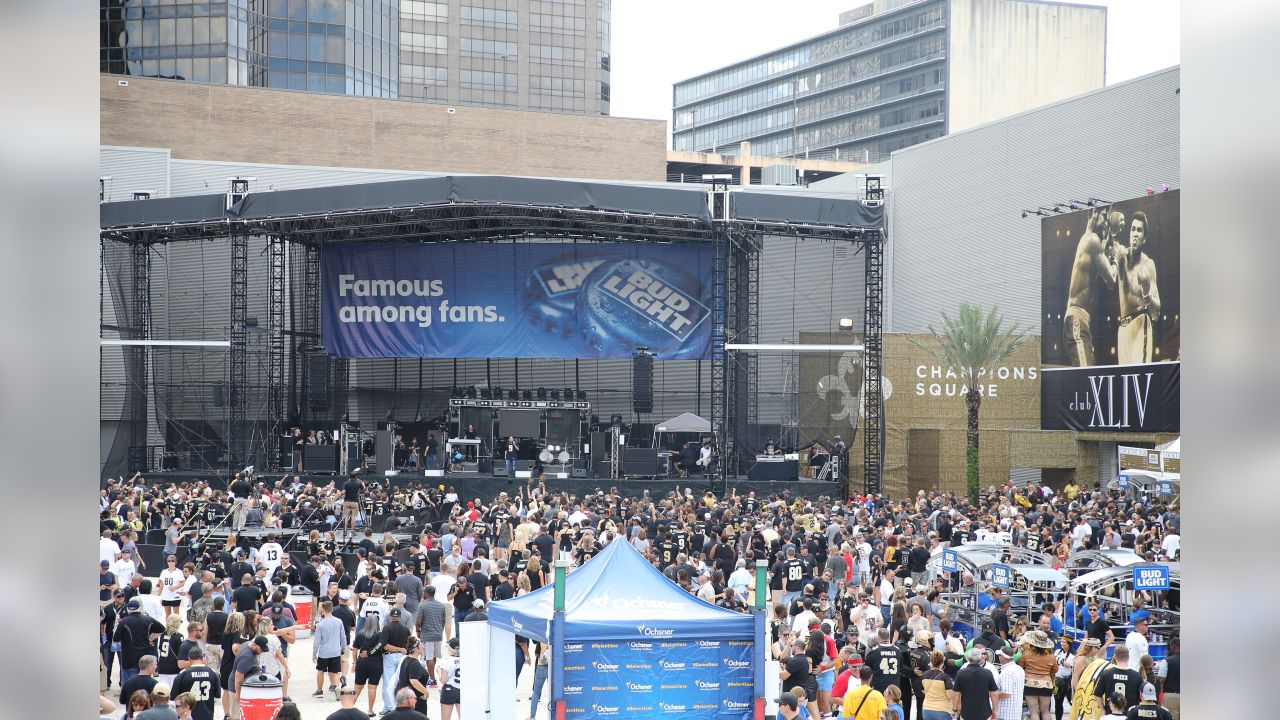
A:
{"points": [[557, 641], [759, 646]]}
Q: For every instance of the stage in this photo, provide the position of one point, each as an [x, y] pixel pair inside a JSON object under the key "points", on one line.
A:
{"points": [[486, 487]]}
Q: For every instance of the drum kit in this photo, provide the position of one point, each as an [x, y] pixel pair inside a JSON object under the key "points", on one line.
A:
{"points": [[553, 454]]}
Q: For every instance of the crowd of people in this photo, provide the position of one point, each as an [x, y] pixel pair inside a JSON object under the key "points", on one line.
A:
{"points": [[854, 624]]}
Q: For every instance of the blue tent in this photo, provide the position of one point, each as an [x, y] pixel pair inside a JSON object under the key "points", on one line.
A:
{"points": [[619, 595]]}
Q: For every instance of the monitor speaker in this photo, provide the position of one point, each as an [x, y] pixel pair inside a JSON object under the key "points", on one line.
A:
{"points": [[318, 382]]}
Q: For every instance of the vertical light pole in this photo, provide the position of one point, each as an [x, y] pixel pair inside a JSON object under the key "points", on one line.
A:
{"points": [[557, 641]]}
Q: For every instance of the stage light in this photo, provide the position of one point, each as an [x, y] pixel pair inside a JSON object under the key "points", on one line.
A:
{"points": [[486, 394], [568, 394], [555, 394], [542, 393], [615, 419], [471, 392], [582, 394], [527, 395], [513, 394], [846, 323]]}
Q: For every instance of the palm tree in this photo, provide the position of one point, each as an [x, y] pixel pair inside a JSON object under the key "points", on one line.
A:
{"points": [[970, 343]]}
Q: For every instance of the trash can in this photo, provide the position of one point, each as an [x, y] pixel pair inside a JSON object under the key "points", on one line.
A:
{"points": [[261, 697], [301, 599]]}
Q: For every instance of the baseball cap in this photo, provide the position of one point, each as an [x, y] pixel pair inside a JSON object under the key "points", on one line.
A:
{"points": [[344, 594], [906, 583], [477, 603], [789, 700], [134, 605], [395, 612], [261, 642], [1148, 692], [162, 690], [104, 564]]}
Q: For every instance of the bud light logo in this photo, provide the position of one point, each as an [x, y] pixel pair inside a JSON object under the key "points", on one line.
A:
{"points": [[735, 704], [668, 707], [709, 644], [666, 665], [605, 709], [737, 664], [639, 687], [561, 278], [604, 667], [655, 632], [635, 288], [707, 685]]}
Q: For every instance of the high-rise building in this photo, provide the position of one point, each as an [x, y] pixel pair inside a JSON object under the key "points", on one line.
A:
{"points": [[550, 55], [893, 74]]}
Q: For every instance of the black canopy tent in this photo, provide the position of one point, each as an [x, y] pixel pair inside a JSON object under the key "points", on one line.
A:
{"points": [[491, 208]]}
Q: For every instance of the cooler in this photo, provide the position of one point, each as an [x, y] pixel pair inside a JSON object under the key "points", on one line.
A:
{"points": [[301, 599], [261, 697]]}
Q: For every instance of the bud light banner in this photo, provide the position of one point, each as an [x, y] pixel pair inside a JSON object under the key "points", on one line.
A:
{"points": [[531, 300], [658, 678]]}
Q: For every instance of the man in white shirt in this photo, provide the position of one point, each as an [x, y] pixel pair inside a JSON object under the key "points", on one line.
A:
{"points": [[1010, 680], [864, 559], [1136, 640], [1171, 545], [270, 554], [109, 550], [376, 604], [741, 579], [1079, 533], [124, 568]]}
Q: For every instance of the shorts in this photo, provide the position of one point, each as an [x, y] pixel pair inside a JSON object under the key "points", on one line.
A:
{"points": [[826, 680], [333, 665], [225, 680], [1134, 340], [1037, 692], [504, 544], [171, 603], [349, 510], [432, 649], [1077, 337], [369, 671], [450, 695]]}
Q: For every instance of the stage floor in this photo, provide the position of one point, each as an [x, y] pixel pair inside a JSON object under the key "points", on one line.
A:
{"points": [[486, 487]]}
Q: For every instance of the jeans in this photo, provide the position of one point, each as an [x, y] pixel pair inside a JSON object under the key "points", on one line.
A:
{"points": [[127, 674], [511, 467], [886, 611], [458, 617], [109, 659], [540, 675], [936, 715], [390, 663]]}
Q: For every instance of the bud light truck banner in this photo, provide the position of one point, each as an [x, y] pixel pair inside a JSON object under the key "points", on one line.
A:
{"points": [[529, 300], [657, 677]]}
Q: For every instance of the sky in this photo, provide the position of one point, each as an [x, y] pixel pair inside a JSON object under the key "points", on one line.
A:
{"points": [[656, 43]]}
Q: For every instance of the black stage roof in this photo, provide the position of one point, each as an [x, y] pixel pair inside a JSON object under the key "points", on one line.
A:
{"points": [[478, 207]]}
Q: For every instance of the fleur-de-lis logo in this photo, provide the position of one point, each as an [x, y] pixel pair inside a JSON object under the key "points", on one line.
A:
{"points": [[850, 369]]}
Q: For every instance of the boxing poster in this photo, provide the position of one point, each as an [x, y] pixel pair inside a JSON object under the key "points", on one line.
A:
{"points": [[520, 300], [1110, 346]]}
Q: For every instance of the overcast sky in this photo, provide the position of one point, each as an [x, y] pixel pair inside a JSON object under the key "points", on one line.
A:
{"points": [[657, 43]]}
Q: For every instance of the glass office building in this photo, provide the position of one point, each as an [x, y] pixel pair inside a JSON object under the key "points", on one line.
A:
{"points": [[550, 55], [896, 73]]}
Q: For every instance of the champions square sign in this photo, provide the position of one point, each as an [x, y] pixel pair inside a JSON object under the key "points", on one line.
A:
{"points": [[1110, 304]]}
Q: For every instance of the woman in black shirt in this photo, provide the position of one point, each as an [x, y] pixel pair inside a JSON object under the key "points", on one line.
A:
{"points": [[368, 651], [413, 676]]}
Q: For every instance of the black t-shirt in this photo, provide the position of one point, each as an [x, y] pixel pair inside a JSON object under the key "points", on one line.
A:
{"points": [[918, 560], [373, 646], [1097, 628], [217, 622], [504, 591], [798, 666], [201, 681], [351, 490], [886, 663], [794, 571], [310, 578], [1127, 682], [348, 714], [1149, 712], [478, 581], [412, 669], [463, 598], [975, 684], [167, 654], [246, 597], [1173, 681], [395, 633], [666, 553], [1000, 618], [242, 488], [134, 684], [404, 714], [347, 616]]}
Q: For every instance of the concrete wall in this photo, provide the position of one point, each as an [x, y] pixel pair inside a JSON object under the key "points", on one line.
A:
{"points": [[1007, 56], [225, 123]]}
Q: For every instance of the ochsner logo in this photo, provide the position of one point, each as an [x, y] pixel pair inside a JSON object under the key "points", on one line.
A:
{"points": [[605, 709], [671, 665], [737, 663], [736, 704], [707, 685], [709, 644], [638, 687], [654, 632], [572, 689], [604, 667], [573, 647], [635, 645], [668, 707]]}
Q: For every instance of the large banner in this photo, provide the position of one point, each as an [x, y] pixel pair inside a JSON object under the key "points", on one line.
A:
{"points": [[1110, 348], [700, 679], [530, 300]]}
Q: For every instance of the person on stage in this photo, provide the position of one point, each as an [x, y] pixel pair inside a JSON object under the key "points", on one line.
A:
{"points": [[472, 451], [510, 455], [771, 448]]}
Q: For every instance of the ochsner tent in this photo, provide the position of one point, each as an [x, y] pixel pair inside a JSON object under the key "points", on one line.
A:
{"points": [[634, 642]]}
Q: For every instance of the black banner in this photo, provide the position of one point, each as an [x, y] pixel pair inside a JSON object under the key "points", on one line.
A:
{"points": [[1110, 305], [1117, 398]]}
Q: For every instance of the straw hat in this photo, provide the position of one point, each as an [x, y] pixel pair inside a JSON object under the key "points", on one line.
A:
{"points": [[1037, 638]]}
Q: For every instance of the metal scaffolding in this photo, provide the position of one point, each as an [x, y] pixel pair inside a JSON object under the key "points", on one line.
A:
{"points": [[276, 347], [137, 357], [873, 340], [238, 354]]}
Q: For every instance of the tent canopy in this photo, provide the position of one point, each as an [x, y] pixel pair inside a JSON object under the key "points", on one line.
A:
{"points": [[619, 595], [684, 423]]}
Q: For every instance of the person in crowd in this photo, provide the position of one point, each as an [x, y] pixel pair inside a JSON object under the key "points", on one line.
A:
{"points": [[979, 693], [863, 702]]}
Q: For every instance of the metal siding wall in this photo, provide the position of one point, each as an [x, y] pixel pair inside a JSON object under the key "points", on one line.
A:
{"points": [[133, 170], [198, 177], [955, 225]]}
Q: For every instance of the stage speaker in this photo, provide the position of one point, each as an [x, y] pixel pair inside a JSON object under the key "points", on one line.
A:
{"points": [[640, 461], [485, 466], [219, 395], [579, 472], [320, 458], [318, 382], [642, 383], [384, 444], [500, 470]]}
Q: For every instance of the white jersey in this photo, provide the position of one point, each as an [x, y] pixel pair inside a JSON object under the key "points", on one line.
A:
{"points": [[269, 554], [170, 583], [376, 606]]}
